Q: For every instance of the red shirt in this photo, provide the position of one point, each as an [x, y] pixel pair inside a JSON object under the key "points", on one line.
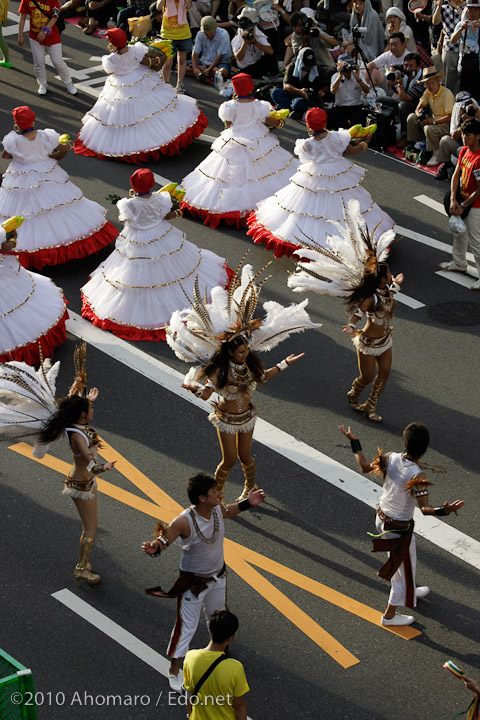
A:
{"points": [[470, 173], [37, 19]]}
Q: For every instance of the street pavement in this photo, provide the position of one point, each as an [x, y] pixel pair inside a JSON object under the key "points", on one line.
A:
{"points": [[302, 578]]}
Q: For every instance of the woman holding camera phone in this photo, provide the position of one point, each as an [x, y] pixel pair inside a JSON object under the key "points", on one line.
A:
{"points": [[372, 41]]}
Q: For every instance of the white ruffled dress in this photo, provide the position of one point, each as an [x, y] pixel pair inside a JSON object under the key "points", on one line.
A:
{"points": [[297, 215], [150, 274], [246, 165], [137, 116], [32, 313], [60, 223]]}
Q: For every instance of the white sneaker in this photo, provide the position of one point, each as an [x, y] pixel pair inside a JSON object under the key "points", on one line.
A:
{"points": [[423, 590], [180, 88], [42, 90], [175, 682], [71, 89], [475, 286], [398, 619], [452, 267], [433, 161]]}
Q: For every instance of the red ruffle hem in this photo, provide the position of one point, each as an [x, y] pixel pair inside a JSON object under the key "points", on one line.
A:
{"points": [[260, 234], [213, 220], [172, 148], [73, 251], [126, 332], [48, 342]]}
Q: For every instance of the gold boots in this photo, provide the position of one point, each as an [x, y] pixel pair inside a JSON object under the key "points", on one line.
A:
{"points": [[353, 395], [221, 478], [83, 567], [369, 407], [249, 473]]}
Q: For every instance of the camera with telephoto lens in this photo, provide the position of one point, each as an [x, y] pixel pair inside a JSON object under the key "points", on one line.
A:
{"points": [[358, 32], [424, 113], [396, 74], [249, 35], [349, 66], [309, 27]]}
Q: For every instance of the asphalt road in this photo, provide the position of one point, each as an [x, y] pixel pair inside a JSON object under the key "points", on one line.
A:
{"points": [[307, 525]]}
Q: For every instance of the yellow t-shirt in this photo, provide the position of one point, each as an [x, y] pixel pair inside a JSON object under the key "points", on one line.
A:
{"points": [[171, 30], [441, 103], [216, 695]]}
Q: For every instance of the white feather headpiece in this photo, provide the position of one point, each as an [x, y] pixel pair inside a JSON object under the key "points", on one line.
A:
{"points": [[27, 398], [196, 333], [341, 267]]}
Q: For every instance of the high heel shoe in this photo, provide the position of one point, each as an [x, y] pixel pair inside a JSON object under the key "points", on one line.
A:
{"points": [[83, 567]]}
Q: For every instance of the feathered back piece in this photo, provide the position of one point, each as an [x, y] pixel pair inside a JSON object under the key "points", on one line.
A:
{"points": [[27, 398], [340, 268], [79, 384], [196, 333]]}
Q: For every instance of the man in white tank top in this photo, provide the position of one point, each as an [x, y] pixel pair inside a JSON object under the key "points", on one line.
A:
{"points": [[199, 531], [405, 486]]}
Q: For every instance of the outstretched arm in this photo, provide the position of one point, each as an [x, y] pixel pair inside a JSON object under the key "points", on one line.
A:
{"points": [[255, 497], [281, 366], [446, 509]]}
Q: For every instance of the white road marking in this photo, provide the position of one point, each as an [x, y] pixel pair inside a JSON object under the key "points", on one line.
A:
{"points": [[465, 280], [434, 204], [121, 636], [207, 138], [426, 240], [361, 488], [407, 300]]}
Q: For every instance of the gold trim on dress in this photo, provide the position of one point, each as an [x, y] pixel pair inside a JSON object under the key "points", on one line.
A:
{"points": [[17, 347], [151, 287]]}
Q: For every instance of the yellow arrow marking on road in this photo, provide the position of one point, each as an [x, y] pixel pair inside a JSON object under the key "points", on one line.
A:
{"points": [[240, 559]]}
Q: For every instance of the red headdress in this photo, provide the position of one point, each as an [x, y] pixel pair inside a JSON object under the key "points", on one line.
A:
{"points": [[117, 37], [316, 119], [24, 117], [243, 84], [142, 181]]}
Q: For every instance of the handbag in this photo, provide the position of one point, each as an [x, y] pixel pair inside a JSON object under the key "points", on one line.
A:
{"points": [[60, 24], [446, 203]]}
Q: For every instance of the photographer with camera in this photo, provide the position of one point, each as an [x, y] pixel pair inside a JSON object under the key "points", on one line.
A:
{"points": [[366, 29], [385, 63], [405, 81], [468, 32], [347, 86], [251, 49], [306, 33], [303, 86], [431, 119], [465, 108]]}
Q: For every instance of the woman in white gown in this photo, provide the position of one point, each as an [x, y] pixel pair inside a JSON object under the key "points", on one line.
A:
{"points": [[246, 164], [298, 215], [152, 270], [32, 310], [137, 116], [60, 223]]}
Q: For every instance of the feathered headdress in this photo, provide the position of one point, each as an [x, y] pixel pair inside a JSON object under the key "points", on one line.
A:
{"points": [[341, 267], [196, 333], [27, 399], [79, 384]]}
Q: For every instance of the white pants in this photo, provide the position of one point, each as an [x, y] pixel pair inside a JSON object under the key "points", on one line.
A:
{"points": [[188, 614], [398, 590], [55, 53], [471, 237]]}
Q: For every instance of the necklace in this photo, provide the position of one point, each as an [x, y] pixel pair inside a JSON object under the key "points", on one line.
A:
{"points": [[216, 528], [89, 432]]}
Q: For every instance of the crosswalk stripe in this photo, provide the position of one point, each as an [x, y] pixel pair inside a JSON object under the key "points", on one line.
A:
{"points": [[429, 202]]}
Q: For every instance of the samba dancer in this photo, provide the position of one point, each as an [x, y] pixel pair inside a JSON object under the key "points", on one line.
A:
{"points": [[405, 486], [199, 530], [224, 337], [354, 267]]}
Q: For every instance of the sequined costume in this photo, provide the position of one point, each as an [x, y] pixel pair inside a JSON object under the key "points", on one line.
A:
{"points": [[151, 272], [240, 387], [60, 223], [300, 213], [246, 165], [137, 116], [380, 314]]}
